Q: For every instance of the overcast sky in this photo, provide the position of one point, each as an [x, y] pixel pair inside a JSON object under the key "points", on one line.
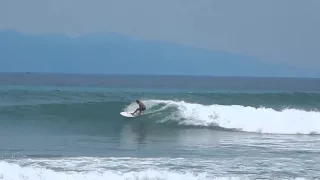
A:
{"points": [[271, 30]]}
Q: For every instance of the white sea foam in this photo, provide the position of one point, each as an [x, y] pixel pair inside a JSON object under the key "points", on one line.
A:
{"points": [[248, 119], [10, 171], [44, 170]]}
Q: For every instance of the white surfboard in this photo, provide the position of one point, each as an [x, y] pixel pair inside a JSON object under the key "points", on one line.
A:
{"points": [[127, 114]]}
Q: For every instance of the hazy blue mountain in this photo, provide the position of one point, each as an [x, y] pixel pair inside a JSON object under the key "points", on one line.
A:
{"points": [[116, 54]]}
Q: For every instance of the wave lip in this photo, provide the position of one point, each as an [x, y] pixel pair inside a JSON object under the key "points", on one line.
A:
{"points": [[244, 118]]}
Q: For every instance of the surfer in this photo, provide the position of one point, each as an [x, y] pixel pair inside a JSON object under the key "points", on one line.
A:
{"points": [[141, 108]]}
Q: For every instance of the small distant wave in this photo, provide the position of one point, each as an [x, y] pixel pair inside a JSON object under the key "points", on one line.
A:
{"points": [[16, 172], [248, 119], [278, 101]]}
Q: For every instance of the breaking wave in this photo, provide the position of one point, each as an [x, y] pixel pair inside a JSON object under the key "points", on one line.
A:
{"points": [[248, 119]]}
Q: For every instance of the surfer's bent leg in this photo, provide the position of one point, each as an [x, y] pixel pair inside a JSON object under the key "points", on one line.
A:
{"points": [[141, 109]]}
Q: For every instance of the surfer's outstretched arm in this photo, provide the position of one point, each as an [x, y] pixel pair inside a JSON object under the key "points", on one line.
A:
{"points": [[135, 111]]}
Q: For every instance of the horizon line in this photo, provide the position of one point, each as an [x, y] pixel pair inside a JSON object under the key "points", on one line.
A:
{"points": [[159, 75]]}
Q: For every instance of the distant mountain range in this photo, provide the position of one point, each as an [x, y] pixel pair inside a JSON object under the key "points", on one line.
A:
{"points": [[116, 54]]}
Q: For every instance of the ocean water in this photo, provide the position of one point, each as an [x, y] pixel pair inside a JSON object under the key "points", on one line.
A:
{"points": [[68, 127]]}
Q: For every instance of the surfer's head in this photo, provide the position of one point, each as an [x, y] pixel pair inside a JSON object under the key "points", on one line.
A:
{"points": [[137, 101]]}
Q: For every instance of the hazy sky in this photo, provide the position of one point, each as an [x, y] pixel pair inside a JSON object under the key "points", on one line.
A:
{"points": [[271, 30]]}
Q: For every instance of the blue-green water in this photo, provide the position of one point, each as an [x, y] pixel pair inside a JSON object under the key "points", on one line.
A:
{"points": [[69, 127]]}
